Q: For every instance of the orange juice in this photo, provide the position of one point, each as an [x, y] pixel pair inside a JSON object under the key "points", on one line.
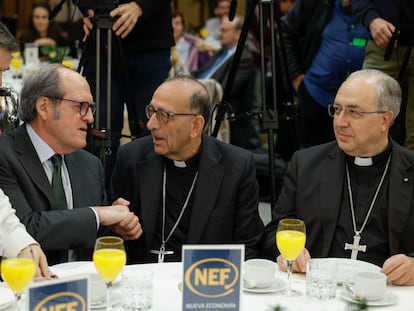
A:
{"points": [[290, 243], [16, 63], [17, 272], [109, 262]]}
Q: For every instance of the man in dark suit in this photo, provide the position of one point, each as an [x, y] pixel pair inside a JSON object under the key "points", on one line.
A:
{"points": [[242, 131], [186, 187], [356, 194], [56, 109]]}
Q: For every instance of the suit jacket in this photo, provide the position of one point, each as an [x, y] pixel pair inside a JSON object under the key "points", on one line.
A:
{"points": [[225, 204], [13, 235], [24, 180], [245, 71], [313, 189]]}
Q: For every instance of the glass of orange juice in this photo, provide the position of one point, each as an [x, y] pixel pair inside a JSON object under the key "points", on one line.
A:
{"points": [[109, 258], [16, 62], [17, 273], [290, 240]]}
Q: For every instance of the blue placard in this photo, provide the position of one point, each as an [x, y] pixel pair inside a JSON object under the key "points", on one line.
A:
{"points": [[212, 277], [69, 294]]}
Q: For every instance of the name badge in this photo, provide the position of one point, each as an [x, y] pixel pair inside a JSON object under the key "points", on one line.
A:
{"points": [[359, 42]]}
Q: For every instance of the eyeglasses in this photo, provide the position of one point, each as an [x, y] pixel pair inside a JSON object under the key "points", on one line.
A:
{"points": [[335, 110], [83, 106], [164, 116]]}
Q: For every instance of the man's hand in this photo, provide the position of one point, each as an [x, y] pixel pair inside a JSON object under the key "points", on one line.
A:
{"points": [[381, 31], [121, 220], [297, 82], [299, 265], [129, 227], [111, 215], [399, 269], [34, 252], [87, 24], [128, 15]]}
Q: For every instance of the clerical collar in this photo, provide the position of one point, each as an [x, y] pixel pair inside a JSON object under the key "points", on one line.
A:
{"points": [[363, 161], [185, 164], [181, 164], [376, 160]]}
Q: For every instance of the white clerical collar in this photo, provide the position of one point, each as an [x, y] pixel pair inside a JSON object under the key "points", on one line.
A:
{"points": [[181, 164], [363, 161]]}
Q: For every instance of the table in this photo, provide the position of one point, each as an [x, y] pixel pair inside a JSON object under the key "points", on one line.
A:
{"points": [[167, 295]]}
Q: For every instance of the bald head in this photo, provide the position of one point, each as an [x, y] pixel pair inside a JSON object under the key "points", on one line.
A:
{"points": [[199, 98]]}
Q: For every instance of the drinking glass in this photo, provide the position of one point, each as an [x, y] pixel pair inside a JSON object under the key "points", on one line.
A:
{"points": [[290, 240], [16, 62], [109, 258], [17, 273]]}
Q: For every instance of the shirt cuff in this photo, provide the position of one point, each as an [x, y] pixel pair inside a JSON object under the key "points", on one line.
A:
{"points": [[96, 217]]}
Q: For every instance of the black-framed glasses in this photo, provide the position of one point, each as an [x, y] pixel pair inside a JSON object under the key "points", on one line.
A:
{"points": [[164, 116], [335, 110], [83, 106]]}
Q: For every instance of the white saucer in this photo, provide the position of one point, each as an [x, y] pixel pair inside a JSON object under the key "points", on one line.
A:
{"points": [[277, 286], [389, 299], [115, 299], [68, 269]]}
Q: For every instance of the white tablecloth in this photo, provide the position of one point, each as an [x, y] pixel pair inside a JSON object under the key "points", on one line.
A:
{"points": [[168, 297]]}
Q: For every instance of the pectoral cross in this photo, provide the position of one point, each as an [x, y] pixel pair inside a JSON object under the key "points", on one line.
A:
{"points": [[161, 253], [355, 247]]}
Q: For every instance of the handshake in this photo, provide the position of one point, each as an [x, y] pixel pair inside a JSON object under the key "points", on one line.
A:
{"points": [[120, 219]]}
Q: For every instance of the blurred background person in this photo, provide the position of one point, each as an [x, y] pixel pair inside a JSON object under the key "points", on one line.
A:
{"points": [[388, 20], [218, 68], [145, 32], [40, 30], [212, 26], [193, 50], [324, 42]]}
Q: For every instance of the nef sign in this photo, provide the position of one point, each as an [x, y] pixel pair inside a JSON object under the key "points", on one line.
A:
{"points": [[60, 295], [212, 277], [62, 302]]}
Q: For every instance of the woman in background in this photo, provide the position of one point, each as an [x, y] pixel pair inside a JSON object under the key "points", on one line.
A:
{"points": [[40, 30]]}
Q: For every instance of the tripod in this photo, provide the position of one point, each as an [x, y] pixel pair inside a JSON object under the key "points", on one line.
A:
{"points": [[101, 131], [269, 114]]}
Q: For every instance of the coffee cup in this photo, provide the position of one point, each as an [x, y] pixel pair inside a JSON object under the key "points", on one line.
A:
{"points": [[259, 273], [370, 285]]}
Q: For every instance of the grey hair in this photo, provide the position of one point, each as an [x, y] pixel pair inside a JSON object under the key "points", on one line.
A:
{"points": [[200, 100], [7, 40], [44, 82], [389, 92]]}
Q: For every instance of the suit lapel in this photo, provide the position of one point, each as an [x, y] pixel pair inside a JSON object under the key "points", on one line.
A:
{"points": [[332, 177], [26, 153], [400, 196], [208, 186], [150, 179]]}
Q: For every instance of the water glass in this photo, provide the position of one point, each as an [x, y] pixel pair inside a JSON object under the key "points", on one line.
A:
{"points": [[137, 289], [320, 279]]}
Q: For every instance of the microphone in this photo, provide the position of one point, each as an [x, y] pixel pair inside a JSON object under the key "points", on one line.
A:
{"points": [[232, 11], [56, 10]]}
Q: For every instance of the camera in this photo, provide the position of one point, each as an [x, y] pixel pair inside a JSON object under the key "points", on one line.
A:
{"points": [[100, 7], [103, 7]]}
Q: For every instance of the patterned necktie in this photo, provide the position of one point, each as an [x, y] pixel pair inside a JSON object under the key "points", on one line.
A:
{"points": [[57, 184]]}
